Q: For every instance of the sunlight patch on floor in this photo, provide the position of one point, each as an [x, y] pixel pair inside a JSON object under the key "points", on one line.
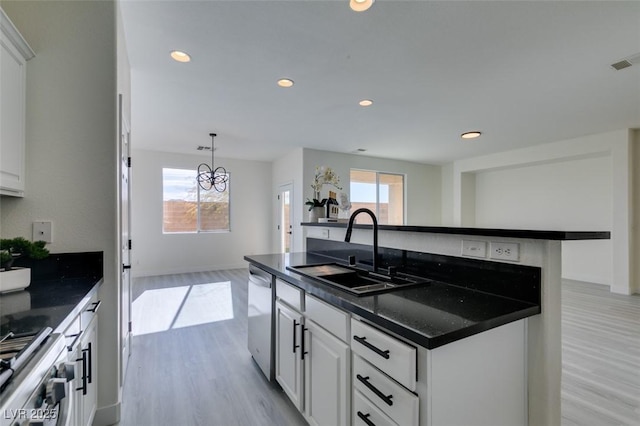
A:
{"points": [[163, 309]]}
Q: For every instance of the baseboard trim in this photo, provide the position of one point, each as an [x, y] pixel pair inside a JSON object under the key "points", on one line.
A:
{"points": [[156, 272], [587, 279], [106, 416]]}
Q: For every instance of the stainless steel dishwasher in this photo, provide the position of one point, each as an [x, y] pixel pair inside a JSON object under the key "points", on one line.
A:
{"points": [[260, 321]]}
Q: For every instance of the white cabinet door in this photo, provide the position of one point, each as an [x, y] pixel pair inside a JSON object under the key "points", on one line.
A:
{"points": [[327, 377], [14, 53], [288, 355], [86, 395]]}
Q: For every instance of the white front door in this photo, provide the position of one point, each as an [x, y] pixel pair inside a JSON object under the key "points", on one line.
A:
{"points": [[285, 217], [125, 222]]}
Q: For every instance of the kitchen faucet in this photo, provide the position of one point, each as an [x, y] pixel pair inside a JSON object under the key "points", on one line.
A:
{"points": [[347, 237]]}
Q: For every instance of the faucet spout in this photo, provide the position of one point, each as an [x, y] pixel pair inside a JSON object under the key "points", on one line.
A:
{"points": [[347, 237]]}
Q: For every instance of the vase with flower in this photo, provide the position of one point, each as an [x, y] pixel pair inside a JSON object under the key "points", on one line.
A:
{"points": [[324, 176]]}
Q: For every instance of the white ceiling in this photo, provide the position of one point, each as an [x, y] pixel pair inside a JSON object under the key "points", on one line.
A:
{"points": [[523, 73]]}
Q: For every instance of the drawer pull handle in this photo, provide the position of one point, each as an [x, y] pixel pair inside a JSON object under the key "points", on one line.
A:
{"points": [[363, 340], [385, 398], [365, 418], [95, 307]]}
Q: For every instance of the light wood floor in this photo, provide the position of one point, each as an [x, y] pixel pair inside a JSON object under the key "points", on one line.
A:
{"points": [[600, 356], [190, 366], [197, 375]]}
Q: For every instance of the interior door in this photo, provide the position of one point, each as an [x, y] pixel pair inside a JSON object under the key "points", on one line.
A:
{"points": [[285, 215], [125, 222]]}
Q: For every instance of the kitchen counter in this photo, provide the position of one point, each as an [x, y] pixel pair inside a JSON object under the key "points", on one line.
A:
{"points": [[429, 315], [59, 284], [533, 234]]}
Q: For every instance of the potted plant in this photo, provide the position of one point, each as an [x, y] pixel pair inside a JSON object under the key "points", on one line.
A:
{"points": [[324, 176], [14, 278]]}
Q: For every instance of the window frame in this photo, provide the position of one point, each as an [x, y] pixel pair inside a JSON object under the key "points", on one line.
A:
{"points": [[198, 198], [377, 183]]}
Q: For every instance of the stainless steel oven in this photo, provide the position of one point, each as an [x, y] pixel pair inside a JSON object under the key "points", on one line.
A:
{"points": [[37, 393]]}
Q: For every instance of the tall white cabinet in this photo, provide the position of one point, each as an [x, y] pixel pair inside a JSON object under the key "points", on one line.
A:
{"points": [[14, 54]]}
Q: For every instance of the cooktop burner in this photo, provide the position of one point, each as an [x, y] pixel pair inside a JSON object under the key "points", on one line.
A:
{"points": [[15, 350]]}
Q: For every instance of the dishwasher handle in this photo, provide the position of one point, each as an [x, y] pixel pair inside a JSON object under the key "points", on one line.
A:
{"points": [[259, 277]]}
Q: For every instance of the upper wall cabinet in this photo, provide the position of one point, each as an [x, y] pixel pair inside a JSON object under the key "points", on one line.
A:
{"points": [[14, 54]]}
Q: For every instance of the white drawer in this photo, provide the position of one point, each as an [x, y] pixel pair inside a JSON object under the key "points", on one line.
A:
{"points": [[291, 295], [365, 409], [331, 319], [389, 354], [392, 399]]}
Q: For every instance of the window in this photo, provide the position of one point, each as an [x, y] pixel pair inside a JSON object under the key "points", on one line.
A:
{"points": [[189, 208], [383, 193]]}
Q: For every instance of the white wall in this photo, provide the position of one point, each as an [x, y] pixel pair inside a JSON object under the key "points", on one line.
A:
{"points": [[569, 195], [71, 134], [422, 182], [155, 253], [593, 186]]}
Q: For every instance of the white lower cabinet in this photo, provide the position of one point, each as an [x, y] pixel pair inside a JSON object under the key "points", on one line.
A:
{"points": [[82, 344], [313, 365], [288, 352], [88, 404], [339, 370], [327, 371]]}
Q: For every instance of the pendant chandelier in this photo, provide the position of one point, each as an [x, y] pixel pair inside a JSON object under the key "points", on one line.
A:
{"points": [[210, 177]]}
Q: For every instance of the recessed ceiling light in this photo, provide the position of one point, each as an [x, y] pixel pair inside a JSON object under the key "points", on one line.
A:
{"points": [[470, 135], [360, 5], [179, 56], [285, 82], [365, 102]]}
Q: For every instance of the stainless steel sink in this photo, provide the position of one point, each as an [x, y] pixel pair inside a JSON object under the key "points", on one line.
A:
{"points": [[355, 280]]}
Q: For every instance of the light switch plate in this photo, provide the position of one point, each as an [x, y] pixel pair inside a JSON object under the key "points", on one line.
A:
{"points": [[42, 231], [474, 248]]}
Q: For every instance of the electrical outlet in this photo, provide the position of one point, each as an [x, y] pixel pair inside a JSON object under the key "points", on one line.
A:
{"points": [[474, 248], [504, 251]]}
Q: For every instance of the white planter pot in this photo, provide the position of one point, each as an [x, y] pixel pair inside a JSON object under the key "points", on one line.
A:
{"points": [[15, 279], [315, 213]]}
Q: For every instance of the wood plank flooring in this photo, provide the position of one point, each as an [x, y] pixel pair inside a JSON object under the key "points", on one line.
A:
{"points": [[190, 372], [201, 374], [600, 356]]}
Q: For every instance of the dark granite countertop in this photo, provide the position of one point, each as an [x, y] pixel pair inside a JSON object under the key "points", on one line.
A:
{"points": [[486, 232], [431, 315], [55, 295]]}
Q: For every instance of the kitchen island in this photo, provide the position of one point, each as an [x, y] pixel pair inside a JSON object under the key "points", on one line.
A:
{"points": [[458, 291]]}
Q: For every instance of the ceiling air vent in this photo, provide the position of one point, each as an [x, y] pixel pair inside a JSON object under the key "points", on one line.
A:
{"points": [[626, 63]]}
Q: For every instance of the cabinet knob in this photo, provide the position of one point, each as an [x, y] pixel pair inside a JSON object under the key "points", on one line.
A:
{"points": [[56, 390], [67, 370]]}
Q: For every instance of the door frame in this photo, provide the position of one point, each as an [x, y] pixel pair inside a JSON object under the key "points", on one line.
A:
{"points": [[279, 216], [124, 166]]}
